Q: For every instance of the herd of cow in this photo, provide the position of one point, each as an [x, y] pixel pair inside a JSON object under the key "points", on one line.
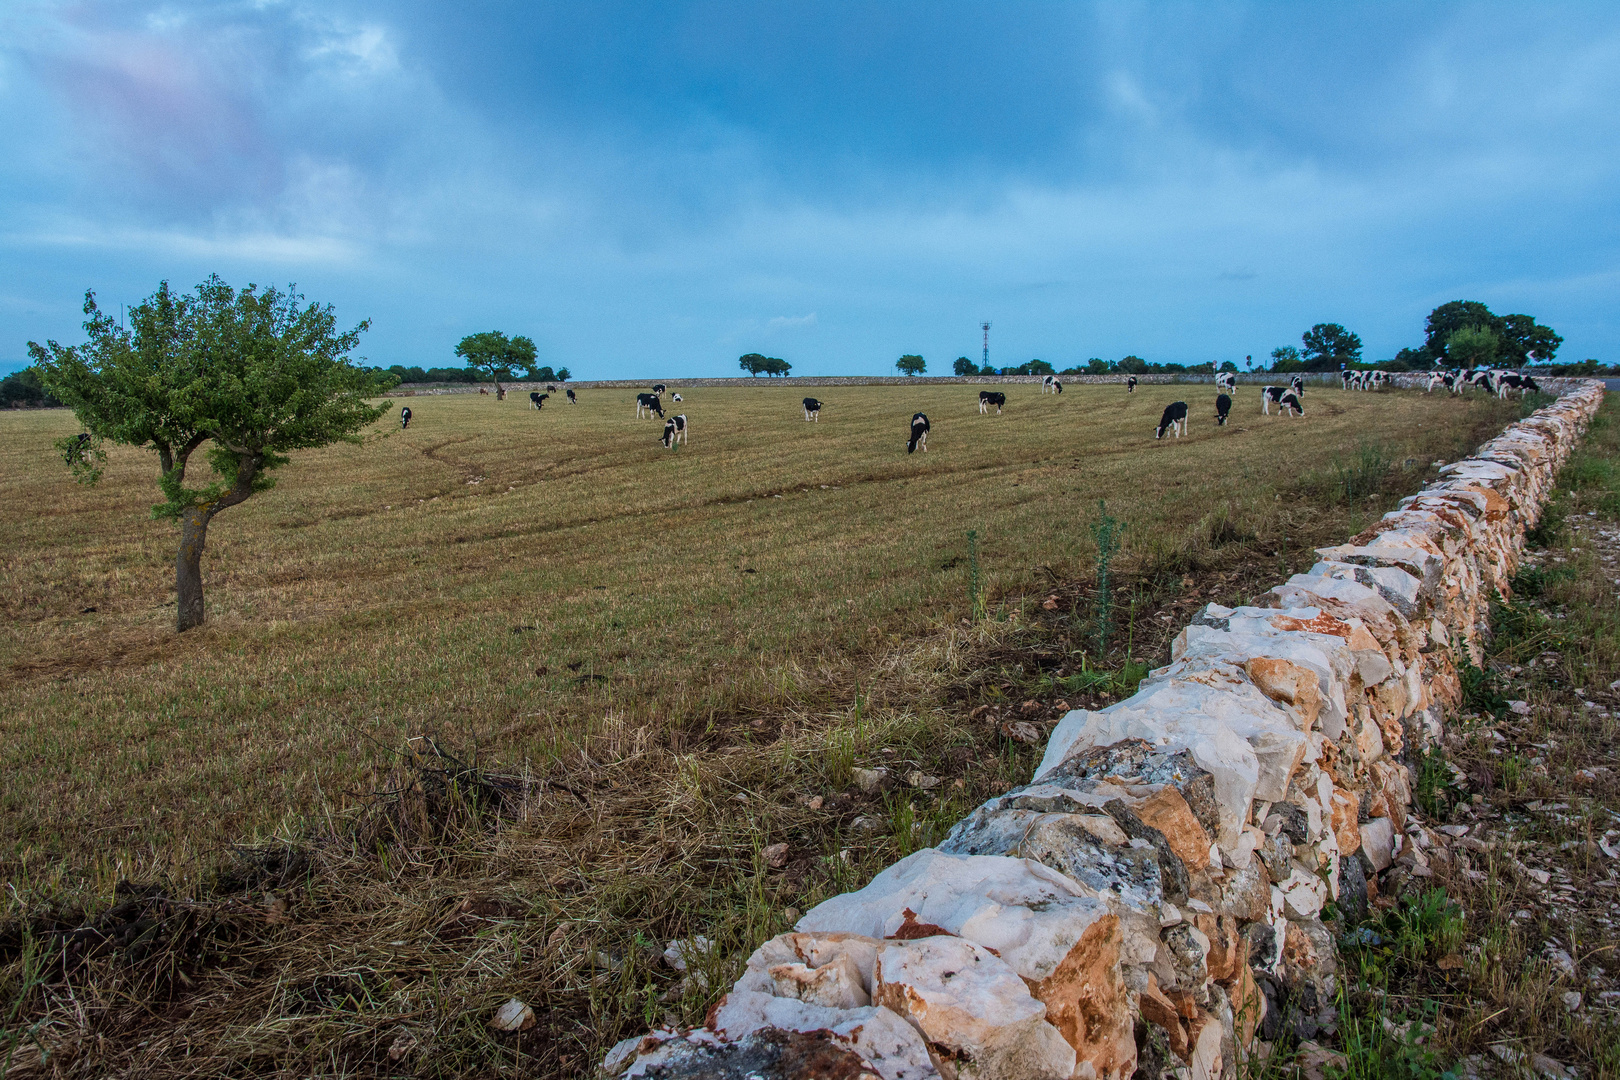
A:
{"points": [[1288, 399]]}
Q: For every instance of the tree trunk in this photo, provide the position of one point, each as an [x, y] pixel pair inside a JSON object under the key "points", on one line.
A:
{"points": [[500, 392], [188, 584]]}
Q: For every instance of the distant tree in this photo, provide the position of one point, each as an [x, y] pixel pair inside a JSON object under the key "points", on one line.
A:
{"points": [[1329, 345], [1525, 341], [1285, 358], [775, 365], [1227, 365], [1039, 367], [911, 364], [544, 374], [1418, 359], [1097, 366], [25, 388], [563, 374], [254, 373], [964, 366], [1474, 347], [498, 358], [1448, 318], [1133, 365]]}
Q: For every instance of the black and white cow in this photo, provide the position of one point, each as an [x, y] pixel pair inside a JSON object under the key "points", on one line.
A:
{"points": [[1297, 385], [988, 398], [1223, 406], [1283, 397], [538, 398], [1227, 381], [660, 388], [1446, 379], [404, 418], [651, 404], [812, 410], [1050, 385], [1130, 385], [675, 430], [675, 397], [1174, 419], [919, 433], [1346, 377], [1512, 380], [572, 400]]}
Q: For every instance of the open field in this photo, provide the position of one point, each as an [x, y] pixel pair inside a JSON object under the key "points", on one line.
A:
{"points": [[669, 651]]}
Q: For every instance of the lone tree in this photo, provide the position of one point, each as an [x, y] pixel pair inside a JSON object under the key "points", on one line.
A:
{"points": [[964, 366], [254, 373], [911, 364], [755, 364], [498, 358], [1328, 345]]}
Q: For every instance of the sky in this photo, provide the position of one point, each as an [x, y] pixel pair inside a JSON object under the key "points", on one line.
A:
{"points": [[652, 190]]}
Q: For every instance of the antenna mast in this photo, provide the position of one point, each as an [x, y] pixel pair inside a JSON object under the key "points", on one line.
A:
{"points": [[986, 344]]}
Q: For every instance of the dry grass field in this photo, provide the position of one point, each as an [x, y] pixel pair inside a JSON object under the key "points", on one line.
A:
{"points": [[655, 657]]}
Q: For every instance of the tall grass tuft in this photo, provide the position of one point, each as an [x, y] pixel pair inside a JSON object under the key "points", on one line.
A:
{"points": [[1364, 474], [1107, 532], [975, 583]]}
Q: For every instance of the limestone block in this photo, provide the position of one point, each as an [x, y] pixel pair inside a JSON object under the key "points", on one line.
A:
{"points": [[1130, 769], [834, 970], [973, 1010], [1064, 943], [1378, 843], [746, 1025], [1292, 684], [1174, 714], [1069, 844]]}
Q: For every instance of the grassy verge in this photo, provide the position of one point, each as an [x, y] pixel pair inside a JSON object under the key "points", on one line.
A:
{"points": [[448, 743]]}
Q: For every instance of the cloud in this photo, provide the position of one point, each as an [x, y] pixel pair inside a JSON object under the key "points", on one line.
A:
{"points": [[791, 322]]}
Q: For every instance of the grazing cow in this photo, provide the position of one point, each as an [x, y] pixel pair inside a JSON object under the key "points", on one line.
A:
{"points": [[1484, 378], [1226, 381], [1174, 418], [988, 398], [1290, 400], [1049, 385], [675, 397], [536, 397], [1283, 397], [1057, 385], [572, 400], [1346, 377], [551, 389], [481, 390], [1223, 406], [651, 404], [404, 418], [660, 388], [812, 410], [919, 433], [1512, 380], [1130, 385], [675, 430], [1441, 378]]}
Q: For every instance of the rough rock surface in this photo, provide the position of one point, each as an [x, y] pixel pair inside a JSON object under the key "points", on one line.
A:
{"points": [[1151, 902]]}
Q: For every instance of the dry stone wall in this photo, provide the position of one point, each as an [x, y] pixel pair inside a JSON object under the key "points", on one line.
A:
{"points": [[1150, 903]]}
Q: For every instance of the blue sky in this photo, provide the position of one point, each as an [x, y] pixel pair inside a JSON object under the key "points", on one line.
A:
{"points": [[650, 190]]}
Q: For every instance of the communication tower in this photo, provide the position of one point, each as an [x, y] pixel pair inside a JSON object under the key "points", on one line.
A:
{"points": [[986, 344]]}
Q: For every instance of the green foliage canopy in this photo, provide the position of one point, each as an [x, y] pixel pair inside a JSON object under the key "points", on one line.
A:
{"points": [[1328, 345], [911, 364], [498, 358], [1473, 346], [251, 374], [756, 364], [1520, 339]]}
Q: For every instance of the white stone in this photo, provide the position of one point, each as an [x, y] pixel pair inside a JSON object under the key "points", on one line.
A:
{"points": [[513, 1016], [972, 1008], [889, 1044], [869, 780], [834, 970], [1378, 842]]}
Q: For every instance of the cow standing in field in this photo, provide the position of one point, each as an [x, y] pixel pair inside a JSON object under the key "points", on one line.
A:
{"points": [[1130, 385], [1223, 407], [1226, 381], [919, 433], [675, 430], [551, 389], [1273, 395], [572, 400], [651, 404], [812, 410], [988, 398], [404, 418], [1174, 419], [538, 398]]}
